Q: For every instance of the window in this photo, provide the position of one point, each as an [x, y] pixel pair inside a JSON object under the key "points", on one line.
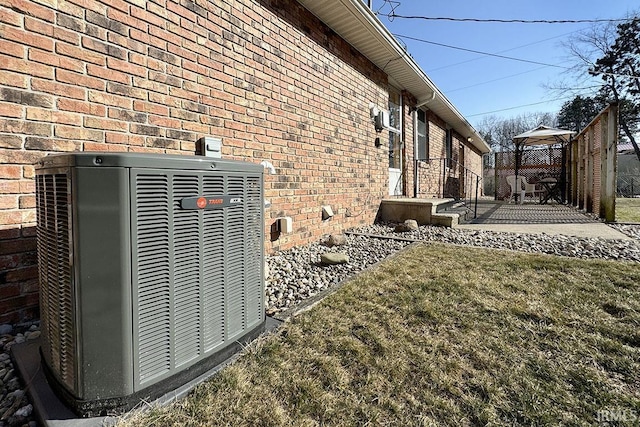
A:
{"points": [[422, 137], [395, 130]]}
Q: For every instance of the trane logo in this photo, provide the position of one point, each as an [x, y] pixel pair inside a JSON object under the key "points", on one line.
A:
{"points": [[209, 202]]}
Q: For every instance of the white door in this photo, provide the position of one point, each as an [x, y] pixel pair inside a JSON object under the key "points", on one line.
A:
{"points": [[395, 182], [395, 143]]}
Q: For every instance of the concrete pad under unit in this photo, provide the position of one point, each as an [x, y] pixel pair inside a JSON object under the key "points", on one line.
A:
{"points": [[52, 412]]}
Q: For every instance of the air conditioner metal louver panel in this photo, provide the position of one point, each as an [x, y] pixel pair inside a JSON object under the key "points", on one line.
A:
{"points": [[57, 294], [154, 297], [186, 269], [235, 268], [213, 229], [204, 297], [253, 239]]}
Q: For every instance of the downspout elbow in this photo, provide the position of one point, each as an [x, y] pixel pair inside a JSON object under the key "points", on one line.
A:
{"points": [[426, 101]]}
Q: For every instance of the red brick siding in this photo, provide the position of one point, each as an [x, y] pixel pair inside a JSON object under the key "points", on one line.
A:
{"points": [[408, 139], [267, 77], [431, 174]]}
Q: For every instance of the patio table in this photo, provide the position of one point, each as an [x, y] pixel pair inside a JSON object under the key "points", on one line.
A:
{"points": [[551, 190]]}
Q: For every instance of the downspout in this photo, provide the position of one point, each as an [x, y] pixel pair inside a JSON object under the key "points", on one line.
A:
{"points": [[428, 100], [415, 145]]}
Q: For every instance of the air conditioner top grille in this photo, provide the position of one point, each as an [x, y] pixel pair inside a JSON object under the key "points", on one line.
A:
{"points": [[146, 160]]}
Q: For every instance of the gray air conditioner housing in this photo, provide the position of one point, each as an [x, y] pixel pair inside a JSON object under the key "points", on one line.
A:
{"points": [[151, 271]]}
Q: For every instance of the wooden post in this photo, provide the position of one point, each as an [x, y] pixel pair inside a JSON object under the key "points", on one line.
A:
{"points": [[575, 164], [581, 144], [588, 149], [609, 155], [495, 176]]}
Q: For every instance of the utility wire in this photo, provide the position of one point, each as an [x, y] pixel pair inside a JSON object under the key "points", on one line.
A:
{"points": [[503, 51], [480, 52], [632, 76], [519, 106], [392, 16], [494, 80]]}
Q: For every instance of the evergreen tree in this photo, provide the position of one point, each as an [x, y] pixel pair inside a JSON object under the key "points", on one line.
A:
{"points": [[576, 114], [619, 68]]}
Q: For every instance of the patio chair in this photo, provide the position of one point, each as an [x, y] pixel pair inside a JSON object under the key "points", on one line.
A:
{"points": [[515, 189], [530, 188]]}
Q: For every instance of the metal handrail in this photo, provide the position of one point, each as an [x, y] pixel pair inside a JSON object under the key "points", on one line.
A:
{"points": [[449, 167]]}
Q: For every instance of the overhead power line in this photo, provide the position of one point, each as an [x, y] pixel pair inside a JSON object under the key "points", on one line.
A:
{"points": [[491, 81], [392, 16], [481, 52], [516, 107], [503, 51]]}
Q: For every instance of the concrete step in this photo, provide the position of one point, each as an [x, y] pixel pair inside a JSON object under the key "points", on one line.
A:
{"points": [[446, 205], [400, 209], [445, 212], [446, 219], [464, 212]]}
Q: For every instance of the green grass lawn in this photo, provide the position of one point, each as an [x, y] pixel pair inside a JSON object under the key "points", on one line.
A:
{"points": [[442, 335], [627, 209]]}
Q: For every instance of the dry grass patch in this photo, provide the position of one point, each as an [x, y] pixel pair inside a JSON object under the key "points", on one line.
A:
{"points": [[441, 335], [628, 209]]}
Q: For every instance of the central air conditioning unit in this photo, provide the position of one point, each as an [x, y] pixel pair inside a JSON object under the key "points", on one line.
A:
{"points": [[151, 272]]}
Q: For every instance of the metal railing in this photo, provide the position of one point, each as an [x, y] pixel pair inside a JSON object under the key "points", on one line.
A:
{"points": [[447, 178]]}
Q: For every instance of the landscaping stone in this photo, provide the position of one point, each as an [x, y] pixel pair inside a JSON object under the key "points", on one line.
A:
{"points": [[408, 225], [15, 409], [336, 240], [333, 258]]}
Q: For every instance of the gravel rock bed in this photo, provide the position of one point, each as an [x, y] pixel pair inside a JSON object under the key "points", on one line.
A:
{"points": [[15, 409], [631, 230], [578, 247], [296, 273]]}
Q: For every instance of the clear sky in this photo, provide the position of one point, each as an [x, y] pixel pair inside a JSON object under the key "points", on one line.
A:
{"points": [[480, 85]]}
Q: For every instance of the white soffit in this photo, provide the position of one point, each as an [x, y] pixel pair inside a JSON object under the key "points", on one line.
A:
{"points": [[356, 23]]}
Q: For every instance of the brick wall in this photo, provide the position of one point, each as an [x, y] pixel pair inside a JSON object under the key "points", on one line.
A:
{"points": [[154, 76], [433, 175], [266, 76]]}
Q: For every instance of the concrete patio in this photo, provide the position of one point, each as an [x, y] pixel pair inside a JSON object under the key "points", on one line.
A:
{"points": [[536, 218], [529, 217]]}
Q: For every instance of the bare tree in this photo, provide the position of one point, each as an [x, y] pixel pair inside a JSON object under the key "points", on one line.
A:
{"points": [[612, 53], [499, 132], [619, 69]]}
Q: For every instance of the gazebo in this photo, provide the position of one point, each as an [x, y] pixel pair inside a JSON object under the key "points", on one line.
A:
{"points": [[544, 135]]}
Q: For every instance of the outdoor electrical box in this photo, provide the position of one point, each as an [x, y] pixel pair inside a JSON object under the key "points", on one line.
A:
{"points": [[151, 272], [381, 120], [210, 147]]}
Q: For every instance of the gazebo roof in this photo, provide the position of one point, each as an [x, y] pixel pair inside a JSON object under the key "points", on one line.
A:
{"points": [[543, 135]]}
